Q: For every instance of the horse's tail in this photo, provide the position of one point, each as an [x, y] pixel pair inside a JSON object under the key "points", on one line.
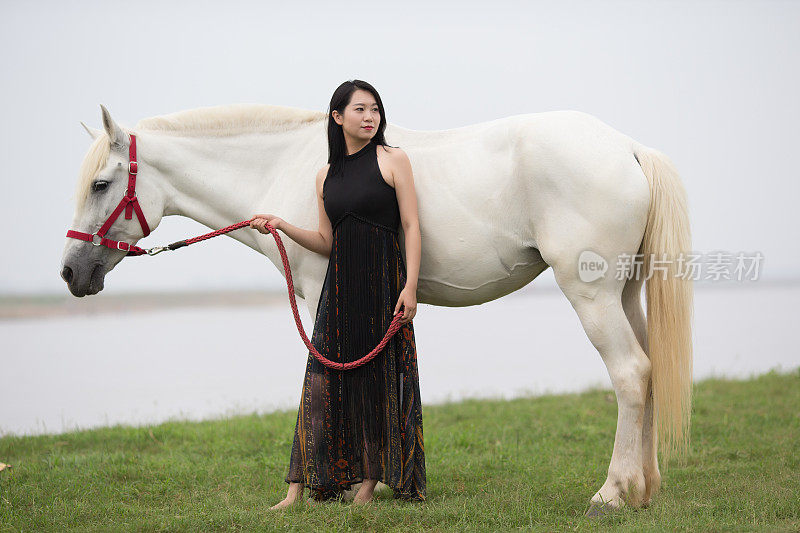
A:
{"points": [[669, 300]]}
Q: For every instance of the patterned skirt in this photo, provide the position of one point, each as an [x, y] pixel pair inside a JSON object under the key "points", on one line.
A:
{"points": [[364, 423]]}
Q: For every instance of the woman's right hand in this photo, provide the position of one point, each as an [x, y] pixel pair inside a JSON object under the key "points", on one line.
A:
{"points": [[259, 222]]}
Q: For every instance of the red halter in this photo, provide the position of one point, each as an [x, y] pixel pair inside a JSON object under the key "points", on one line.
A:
{"points": [[130, 203]]}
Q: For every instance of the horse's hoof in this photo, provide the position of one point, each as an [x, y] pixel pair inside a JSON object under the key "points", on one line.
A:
{"points": [[598, 510]]}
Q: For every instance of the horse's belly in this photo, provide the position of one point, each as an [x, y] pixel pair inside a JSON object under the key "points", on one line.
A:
{"points": [[476, 278]]}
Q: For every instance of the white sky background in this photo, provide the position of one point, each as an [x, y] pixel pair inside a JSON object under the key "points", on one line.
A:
{"points": [[714, 85]]}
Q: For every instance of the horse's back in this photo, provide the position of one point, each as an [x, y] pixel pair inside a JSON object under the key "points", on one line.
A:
{"points": [[489, 192]]}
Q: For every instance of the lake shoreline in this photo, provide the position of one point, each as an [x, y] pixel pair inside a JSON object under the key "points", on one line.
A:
{"points": [[33, 306]]}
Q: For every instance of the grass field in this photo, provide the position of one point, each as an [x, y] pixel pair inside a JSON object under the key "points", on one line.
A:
{"points": [[527, 464]]}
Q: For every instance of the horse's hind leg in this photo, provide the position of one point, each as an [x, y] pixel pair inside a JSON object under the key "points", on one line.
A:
{"points": [[632, 303], [599, 307]]}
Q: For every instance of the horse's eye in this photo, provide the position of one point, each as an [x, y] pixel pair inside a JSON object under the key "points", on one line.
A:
{"points": [[99, 185]]}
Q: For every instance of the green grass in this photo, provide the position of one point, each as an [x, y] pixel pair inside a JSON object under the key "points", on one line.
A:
{"points": [[526, 464]]}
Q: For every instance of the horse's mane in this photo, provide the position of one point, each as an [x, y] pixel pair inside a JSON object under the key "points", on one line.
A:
{"points": [[231, 119], [95, 160], [217, 121]]}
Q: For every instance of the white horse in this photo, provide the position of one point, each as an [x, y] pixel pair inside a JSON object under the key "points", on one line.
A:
{"points": [[499, 202]]}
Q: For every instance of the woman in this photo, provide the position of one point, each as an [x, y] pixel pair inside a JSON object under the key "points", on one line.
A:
{"points": [[362, 425]]}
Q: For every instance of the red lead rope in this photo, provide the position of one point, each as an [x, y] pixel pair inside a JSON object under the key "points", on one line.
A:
{"points": [[393, 327]]}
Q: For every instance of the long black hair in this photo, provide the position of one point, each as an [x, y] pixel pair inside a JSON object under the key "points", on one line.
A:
{"points": [[341, 97]]}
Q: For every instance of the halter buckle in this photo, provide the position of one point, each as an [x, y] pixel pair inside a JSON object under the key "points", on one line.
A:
{"points": [[120, 243], [133, 167]]}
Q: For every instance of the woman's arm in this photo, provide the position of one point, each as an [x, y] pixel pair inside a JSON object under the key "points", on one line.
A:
{"points": [[317, 241], [407, 201]]}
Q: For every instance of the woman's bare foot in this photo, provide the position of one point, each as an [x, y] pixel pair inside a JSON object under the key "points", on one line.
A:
{"points": [[294, 494], [364, 494]]}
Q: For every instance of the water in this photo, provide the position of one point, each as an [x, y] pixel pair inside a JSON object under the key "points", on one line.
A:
{"points": [[83, 371]]}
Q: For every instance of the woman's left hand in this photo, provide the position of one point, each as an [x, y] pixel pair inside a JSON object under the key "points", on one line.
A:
{"points": [[407, 300]]}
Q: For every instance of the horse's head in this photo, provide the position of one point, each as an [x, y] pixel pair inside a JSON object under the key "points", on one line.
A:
{"points": [[102, 183]]}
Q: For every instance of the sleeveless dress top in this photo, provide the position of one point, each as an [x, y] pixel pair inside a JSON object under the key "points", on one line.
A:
{"points": [[364, 423]]}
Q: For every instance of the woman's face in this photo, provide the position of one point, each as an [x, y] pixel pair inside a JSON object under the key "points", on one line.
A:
{"points": [[361, 116]]}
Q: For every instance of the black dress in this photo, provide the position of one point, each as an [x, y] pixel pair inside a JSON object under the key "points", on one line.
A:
{"points": [[364, 423]]}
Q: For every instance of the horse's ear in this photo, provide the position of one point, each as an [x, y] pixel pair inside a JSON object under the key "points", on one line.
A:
{"points": [[93, 133], [117, 137]]}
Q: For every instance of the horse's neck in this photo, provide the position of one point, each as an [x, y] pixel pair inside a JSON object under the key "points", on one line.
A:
{"points": [[218, 181]]}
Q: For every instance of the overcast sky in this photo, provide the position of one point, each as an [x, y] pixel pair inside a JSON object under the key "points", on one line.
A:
{"points": [[714, 85]]}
